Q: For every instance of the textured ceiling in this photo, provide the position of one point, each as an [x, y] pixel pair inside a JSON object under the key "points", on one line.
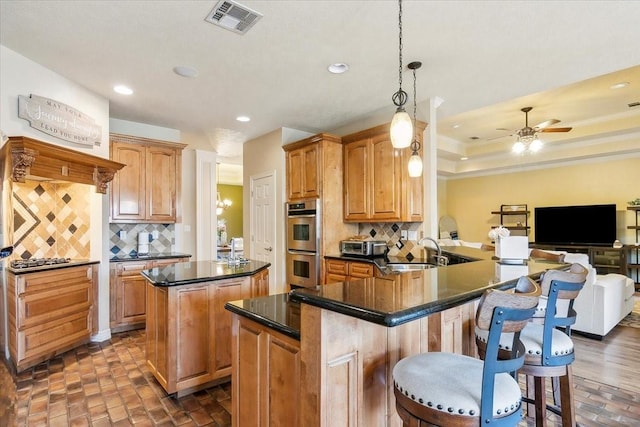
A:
{"points": [[485, 60]]}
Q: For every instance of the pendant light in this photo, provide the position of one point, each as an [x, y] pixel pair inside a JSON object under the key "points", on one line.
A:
{"points": [[415, 161], [401, 131]]}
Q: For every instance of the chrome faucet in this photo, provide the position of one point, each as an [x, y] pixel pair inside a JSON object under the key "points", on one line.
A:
{"points": [[440, 260], [232, 257]]}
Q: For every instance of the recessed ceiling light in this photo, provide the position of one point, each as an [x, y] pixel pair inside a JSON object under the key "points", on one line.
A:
{"points": [[464, 158], [185, 71], [456, 126], [243, 119], [619, 85], [338, 68], [122, 90]]}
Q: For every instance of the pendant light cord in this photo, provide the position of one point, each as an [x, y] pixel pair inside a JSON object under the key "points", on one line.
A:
{"points": [[400, 97]]}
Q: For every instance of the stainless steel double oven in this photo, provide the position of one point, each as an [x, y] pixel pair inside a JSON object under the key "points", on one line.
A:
{"points": [[303, 244]]}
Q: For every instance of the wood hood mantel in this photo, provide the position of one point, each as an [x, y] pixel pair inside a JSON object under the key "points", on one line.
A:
{"points": [[26, 158]]}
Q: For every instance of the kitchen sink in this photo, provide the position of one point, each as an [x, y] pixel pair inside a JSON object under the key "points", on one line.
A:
{"points": [[409, 267]]}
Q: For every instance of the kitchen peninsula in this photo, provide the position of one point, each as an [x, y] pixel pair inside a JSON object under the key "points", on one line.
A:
{"points": [[188, 331], [324, 356]]}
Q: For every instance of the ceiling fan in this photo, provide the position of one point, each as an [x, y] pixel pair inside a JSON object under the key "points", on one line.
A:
{"points": [[527, 138]]}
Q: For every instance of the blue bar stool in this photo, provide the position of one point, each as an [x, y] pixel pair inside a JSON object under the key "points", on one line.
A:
{"points": [[548, 344], [453, 390]]}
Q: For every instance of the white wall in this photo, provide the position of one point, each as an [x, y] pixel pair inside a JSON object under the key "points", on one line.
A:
{"points": [[21, 76]]}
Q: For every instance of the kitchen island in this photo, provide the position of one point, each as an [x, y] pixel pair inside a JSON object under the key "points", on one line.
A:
{"points": [[188, 331], [324, 356]]}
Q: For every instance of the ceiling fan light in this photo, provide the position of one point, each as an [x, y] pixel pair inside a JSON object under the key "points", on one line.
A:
{"points": [[518, 147], [415, 165], [535, 145], [401, 129]]}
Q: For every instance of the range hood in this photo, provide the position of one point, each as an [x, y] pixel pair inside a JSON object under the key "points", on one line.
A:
{"points": [[26, 158]]}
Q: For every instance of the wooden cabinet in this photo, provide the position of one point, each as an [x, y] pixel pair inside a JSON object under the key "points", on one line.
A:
{"points": [[188, 332], [50, 312], [314, 170], [147, 189], [127, 292], [304, 171], [342, 271], [266, 376], [376, 179]]}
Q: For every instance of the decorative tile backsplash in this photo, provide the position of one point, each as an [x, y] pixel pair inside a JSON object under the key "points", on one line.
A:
{"points": [[50, 220], [124, 238], [391, 232]]}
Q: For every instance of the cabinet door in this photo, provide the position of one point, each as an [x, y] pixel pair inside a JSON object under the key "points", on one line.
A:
{"points": [[311, 174], [132, 301], [357, 180], [386, 164], [128, 187], [260, 284], [225, 290], [295, 165], [413, 189], [161, 184]]}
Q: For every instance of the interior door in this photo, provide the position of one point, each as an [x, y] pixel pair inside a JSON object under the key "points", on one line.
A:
{"points": [[263, 224]]}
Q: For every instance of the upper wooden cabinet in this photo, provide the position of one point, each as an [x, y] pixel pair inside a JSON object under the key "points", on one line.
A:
{"points": [[308, 162], [376, 179], [147, 189]]}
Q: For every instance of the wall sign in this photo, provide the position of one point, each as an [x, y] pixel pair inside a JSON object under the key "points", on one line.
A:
{"points": [[60, 120]]}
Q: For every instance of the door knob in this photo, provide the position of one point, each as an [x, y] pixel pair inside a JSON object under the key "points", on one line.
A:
{"points": [[268, 249]]}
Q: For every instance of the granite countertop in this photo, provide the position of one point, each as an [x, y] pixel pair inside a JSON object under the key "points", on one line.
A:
{"points": [[277, 311], [71, 263], [186, 273], [149, 256], [398, 298]]}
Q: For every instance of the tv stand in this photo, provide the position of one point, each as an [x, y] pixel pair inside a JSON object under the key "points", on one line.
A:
{"points": [[605, 259]]}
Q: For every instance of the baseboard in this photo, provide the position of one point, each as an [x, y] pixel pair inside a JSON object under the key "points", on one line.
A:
{"points": [[588, 335], [101, 336]]}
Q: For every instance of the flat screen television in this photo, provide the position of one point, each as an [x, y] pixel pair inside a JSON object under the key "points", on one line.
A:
{"points": [[590, 225]]}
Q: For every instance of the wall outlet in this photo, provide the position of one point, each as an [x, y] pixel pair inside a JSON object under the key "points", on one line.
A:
{"points": [[413, 235], [403, 234], [122, 234], [155, 234]]}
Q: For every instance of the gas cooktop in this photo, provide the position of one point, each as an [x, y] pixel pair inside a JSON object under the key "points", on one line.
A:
{"points": [[37, 262]]}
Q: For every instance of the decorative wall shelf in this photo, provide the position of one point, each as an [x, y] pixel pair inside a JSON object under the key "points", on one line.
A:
{"points": [[27, 158]]}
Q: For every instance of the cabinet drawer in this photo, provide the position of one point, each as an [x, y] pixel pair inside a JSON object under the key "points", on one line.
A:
{"points": [[53, 279], [360, 270], [337, 267], [132, 268], [47, 338], [52, 305]]}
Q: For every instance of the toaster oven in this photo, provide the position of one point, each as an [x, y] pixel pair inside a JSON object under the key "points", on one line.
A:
{"points": [[367, 248]]}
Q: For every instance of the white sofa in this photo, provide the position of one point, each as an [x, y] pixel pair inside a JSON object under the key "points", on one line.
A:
{"points": [[603, 301]]}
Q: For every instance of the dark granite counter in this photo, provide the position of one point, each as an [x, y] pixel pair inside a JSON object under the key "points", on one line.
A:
{"points": [[185, 273], [277, 311], [398, 298], [149, 256]]}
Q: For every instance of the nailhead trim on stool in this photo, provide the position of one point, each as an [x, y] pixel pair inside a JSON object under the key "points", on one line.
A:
{"points": [[459, 393]]}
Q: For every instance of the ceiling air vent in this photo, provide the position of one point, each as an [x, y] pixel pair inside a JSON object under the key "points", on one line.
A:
{"points": [[233, 16]]}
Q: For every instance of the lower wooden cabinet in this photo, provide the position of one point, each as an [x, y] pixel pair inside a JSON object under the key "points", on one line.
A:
{"points": [[188, 330], [265, 385], [50, 312], [343, 271], [128, 292]]}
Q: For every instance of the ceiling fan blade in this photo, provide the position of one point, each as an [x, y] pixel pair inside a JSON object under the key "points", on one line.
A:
{"points": [[555, 130], [546, 123]]}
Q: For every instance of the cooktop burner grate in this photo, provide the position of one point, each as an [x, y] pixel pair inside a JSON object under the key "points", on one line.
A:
{"points": [[38, 262]]}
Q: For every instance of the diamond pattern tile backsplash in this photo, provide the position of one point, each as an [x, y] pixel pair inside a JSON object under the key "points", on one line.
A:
{"points": [[391, 232], [124, 238], [50, 220]]}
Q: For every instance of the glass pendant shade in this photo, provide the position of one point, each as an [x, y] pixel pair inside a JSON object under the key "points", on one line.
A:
{"points": [[415, 165], [535, 145], [401, 129], [518, 147]]}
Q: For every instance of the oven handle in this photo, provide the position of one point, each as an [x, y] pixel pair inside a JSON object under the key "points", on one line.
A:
{"points": [[295, 252], [302, 216]]}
